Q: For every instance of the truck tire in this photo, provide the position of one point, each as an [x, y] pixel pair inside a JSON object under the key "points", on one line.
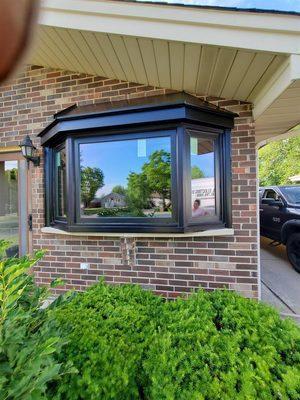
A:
{"points": [[293, 250]]}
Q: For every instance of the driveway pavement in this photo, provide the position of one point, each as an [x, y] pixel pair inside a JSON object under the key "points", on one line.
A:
{"points": [[280, 282]]}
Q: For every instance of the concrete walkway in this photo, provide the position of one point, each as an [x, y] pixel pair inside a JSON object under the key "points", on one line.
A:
{"points": [[280, 282]]}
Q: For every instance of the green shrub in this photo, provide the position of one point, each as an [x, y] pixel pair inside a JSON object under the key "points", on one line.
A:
{"points": [[222, 346], [108, 329], [113, 212], [27, 336], [129, 344]]}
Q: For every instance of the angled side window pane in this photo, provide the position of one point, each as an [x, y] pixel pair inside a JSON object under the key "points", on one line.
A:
{"points": [[60, 183], [126, 178], [203, 202]]}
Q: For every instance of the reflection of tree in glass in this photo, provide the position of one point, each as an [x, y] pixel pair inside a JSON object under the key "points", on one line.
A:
{"points": [[196, 172], [119, 189], [92, 179], [138, 192], [158, 175], [155, 178]]}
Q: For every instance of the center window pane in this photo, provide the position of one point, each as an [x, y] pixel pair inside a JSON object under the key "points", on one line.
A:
{"points": [[126, 178], [202, 177]]}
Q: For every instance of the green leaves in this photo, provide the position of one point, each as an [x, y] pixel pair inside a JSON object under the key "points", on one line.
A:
{"points": [[278, 161], [28, 337], [129, 344], [120, 342]]}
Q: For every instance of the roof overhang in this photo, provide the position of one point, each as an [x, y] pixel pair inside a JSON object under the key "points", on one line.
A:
{"points": [[247, 56], [252, 31], [277, 106]]}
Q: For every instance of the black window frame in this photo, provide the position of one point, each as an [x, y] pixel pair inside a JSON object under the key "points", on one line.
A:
{"points": [[178, 121], [214, 136]]}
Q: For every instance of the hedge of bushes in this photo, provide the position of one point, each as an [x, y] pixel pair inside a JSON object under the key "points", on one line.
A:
{"points": [[124, 343], [127, 343], [113, 212]]}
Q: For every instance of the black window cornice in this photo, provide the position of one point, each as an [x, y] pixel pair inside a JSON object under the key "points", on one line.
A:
{"points": [[153, 109]]}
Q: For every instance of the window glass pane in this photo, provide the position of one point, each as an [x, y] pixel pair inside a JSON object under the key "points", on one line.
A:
{"points": [[9, 222], [292, 194], [202, 177], [126, 178], [60, 180]]}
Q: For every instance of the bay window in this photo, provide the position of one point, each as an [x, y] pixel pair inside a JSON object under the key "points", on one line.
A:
{"points": [[158, 164]]}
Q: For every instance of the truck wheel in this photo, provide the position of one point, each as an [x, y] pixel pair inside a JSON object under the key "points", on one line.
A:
{"points": [[293, 250]]}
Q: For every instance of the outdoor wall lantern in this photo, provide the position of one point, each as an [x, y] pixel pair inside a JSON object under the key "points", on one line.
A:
{"points": [[29, 151], [157, 164]]}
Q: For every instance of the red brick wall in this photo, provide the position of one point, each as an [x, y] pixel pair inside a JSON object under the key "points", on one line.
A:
{"points": [[166, 266]]}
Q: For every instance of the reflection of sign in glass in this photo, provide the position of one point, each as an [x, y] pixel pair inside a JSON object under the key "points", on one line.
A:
{"points": [[203, 189], [142, 152]]}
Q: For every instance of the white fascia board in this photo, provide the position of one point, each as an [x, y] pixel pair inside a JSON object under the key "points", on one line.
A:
{"points": [[277, 33], [288, 73]]}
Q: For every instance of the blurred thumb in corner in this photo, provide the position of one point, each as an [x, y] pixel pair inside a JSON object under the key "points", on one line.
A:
{"points": [[17, 21]]}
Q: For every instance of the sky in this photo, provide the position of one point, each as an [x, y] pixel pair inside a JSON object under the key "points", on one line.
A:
{"points": [[118, 158], [282, 5]]}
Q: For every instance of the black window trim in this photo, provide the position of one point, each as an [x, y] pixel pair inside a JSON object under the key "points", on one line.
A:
{"points": [[181, 220]]}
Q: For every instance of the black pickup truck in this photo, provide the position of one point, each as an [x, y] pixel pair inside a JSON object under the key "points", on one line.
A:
{"points": [[279, 211]]}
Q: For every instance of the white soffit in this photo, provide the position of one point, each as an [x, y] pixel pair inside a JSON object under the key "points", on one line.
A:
{"points": [[252, 31], [202, 69], [277, 106], [234, 55]]}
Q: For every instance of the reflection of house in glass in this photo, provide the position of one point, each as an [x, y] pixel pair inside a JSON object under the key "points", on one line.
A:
{"points": [[113, 200], [157, 201]]}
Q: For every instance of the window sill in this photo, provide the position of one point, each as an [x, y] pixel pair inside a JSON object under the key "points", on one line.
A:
{"points": [[206, 233]]}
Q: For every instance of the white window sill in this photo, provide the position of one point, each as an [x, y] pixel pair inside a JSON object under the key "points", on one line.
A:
{"points": [[210, 232]]}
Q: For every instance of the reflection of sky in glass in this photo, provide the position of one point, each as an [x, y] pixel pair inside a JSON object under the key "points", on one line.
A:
{"points": [[205, 162], [117, 159], [9, 165]]}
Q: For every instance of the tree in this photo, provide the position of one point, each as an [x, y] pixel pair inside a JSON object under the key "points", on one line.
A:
{"points": [[138, 192], [158, 174], [155, 177], [278, 161], [196, 172], [92, 179], [119, 189]]}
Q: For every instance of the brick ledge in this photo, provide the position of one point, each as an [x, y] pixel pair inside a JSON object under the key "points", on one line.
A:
{"points": [[210, 232]]}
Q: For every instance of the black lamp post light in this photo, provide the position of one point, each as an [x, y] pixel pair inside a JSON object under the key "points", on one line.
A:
{"points": [[29, 151]]}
